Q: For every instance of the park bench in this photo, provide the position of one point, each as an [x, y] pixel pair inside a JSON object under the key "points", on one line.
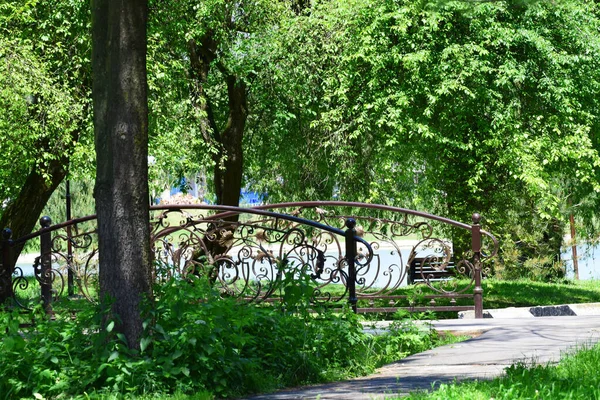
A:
{"points": [[420, 271]]}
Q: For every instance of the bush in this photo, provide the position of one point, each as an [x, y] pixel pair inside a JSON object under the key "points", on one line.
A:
{"points": [[195, 341], [518, 263]]}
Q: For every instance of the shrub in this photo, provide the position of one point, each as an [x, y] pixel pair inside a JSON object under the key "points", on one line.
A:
{"points": [[195, 341]]}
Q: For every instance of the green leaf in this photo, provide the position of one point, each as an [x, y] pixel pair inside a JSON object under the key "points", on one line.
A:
{"points": [[110, 326], [113, 356], [144, 343], [122, 337]]}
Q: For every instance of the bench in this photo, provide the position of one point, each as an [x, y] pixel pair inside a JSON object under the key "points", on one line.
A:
{"points": [[429, 271]]}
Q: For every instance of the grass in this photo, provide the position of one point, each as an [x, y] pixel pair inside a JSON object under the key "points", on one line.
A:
{"points": [[526, 293], [574, 377], [501, 294]]}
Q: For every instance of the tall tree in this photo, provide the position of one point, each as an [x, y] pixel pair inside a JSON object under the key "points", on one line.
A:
{"points": [[223, 42], [45, 83], [121, 131]]}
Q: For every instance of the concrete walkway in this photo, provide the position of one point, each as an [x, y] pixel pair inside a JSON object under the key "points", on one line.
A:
{"points": [[501, 343]]}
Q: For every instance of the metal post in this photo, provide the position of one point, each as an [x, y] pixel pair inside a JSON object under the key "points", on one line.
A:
{"points": [[350, 259], [6, 289], [46, 264], [476, 247], [70, 278]]}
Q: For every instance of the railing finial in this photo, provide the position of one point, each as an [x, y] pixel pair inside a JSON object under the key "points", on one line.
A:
{"points": [[6, 234], [45, 221], [350, 223]]}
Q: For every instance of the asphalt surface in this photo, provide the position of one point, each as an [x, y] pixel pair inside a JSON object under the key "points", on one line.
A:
{"points": [[498, 343]]}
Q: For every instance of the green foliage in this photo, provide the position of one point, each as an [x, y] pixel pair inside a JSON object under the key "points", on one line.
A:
{"points": [[37, 122], [452, 107], [542, 268], [195, 341], [188, 112], [82, 201]]}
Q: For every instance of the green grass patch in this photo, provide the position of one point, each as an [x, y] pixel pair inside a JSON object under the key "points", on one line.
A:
{"points": [[574, 377], [525, 293], [505, 293]]}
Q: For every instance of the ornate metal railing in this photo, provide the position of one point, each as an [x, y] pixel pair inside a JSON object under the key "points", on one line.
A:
{"points": [[348, 252], [399, 238]]}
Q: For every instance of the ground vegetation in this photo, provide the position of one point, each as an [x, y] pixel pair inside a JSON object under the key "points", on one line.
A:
{"points": [[216, 347]]}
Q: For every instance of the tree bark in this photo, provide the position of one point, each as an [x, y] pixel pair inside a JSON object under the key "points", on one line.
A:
{"points": [[121, 134], [574, 246], [229, 161], [228, 155]]}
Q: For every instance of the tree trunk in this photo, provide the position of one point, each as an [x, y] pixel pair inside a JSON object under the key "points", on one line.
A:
{"points": [[21, 215], [229, 161], [574, 245], [229, 155], [121, 132]]}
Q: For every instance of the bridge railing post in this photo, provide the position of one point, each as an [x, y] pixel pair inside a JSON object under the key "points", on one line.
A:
{"points": [[45, 276], [351, 261], [70, 274], [476, 247]]}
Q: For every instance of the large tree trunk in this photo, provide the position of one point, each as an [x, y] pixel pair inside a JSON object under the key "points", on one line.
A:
{"points": [[121, 131], [21, 215]]}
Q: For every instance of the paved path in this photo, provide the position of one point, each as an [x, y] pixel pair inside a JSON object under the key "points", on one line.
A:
{"points": [[502, 342]]}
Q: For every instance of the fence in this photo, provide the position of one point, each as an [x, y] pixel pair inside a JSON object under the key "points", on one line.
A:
{"points": [[347, 252]]}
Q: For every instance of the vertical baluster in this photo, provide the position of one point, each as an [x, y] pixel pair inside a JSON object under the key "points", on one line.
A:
{"points": [[476, 247], [46, 264], [6, 289], [70, 277], [350, 259]]}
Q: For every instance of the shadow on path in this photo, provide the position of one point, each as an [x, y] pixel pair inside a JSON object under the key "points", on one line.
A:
{"points": [[502, 343]]}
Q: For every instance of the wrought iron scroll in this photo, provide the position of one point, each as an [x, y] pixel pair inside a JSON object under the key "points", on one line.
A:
{"points": [[399, 238], [254, 255]]}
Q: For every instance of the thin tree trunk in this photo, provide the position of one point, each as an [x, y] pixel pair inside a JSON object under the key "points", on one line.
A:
{"points": [[121, 131], [574, 244], [229, 156], [22, 214]]}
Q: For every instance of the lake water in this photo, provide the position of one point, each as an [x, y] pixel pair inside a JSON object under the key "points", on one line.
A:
{"points": [[589, 261]]}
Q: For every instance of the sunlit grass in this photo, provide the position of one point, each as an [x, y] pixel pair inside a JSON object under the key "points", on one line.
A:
{"points": [[574, 377]]}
